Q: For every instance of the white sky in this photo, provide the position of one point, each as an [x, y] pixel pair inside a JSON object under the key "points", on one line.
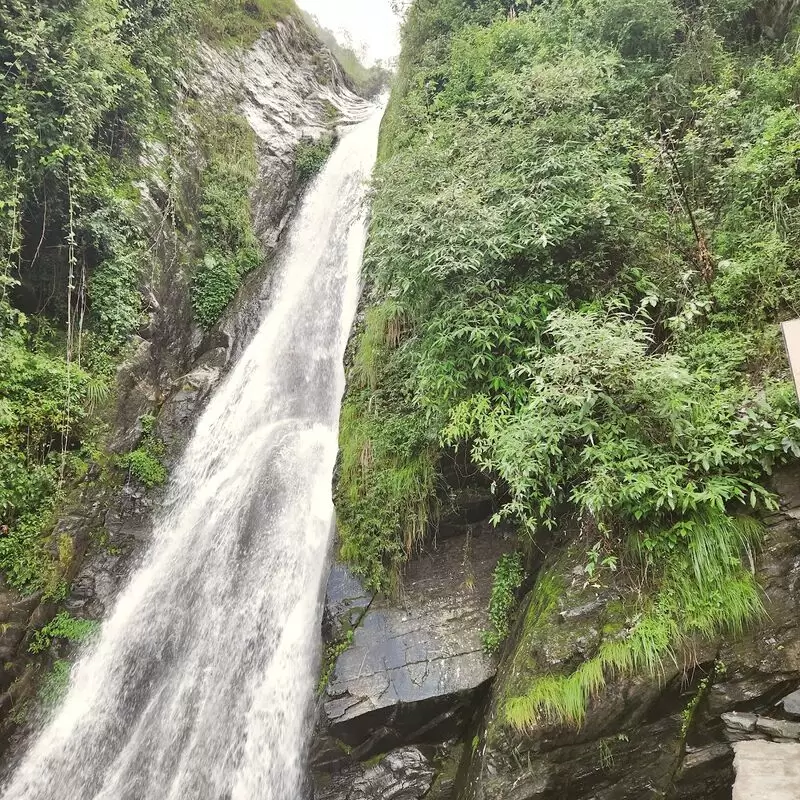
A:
{"points": [[369, 22]]}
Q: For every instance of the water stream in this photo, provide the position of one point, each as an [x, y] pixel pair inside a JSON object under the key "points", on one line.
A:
{"points": [[199, 684]]}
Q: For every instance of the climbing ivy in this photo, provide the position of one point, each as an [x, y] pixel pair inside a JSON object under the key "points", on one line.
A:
{"points": [[508, 576]]}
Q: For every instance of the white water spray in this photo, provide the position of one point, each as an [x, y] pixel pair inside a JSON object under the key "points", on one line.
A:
{"points": [[199, 685]]}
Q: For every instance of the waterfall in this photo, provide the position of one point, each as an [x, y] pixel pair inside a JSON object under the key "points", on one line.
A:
{"points": [[199, 684]]}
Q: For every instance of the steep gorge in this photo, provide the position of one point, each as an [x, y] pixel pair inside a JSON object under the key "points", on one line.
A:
{"points": [[258, 106], [567, 489]]}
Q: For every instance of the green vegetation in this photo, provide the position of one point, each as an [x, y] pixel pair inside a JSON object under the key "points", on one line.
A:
{"points": [[62, 626], [55, 684], [704, 590], [508, 576], [332, 653], [311, 156], [384, 493], [230, 246], [84, 85], [146, 462], [87, 86], [239, 23], [584, 234]]}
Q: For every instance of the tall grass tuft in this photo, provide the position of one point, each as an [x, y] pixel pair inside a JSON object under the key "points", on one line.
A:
{"points": [[703, 589]]}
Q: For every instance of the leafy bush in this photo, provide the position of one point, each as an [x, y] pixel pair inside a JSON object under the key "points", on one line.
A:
{"points": [[44, 416], [145, 463], [508, 576], [62, 626], [145, 466], [84, 84], [625, 435], [114, 286], [311, 156]]}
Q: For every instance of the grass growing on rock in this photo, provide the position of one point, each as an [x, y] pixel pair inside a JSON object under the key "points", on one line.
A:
{"points": [[230, 245], [705, 593], [239, 23], [311, 156]]}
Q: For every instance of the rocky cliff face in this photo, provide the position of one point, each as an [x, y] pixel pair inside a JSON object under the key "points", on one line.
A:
{"points": [[289, 87], [671, 734]]}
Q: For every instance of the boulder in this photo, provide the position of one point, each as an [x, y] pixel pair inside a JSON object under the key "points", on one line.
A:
{"points": [[403, 774], [346, 602], [416, 668], [791, 704]]}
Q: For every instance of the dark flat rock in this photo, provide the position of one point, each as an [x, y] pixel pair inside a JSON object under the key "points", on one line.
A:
{"points": [[415, 666]]}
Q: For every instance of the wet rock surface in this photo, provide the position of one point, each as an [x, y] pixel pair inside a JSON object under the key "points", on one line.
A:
{"points": [[415, 672], [414, 669], [743, 727], [346, 602], [791, 704], [403, 774], [289, 89]]}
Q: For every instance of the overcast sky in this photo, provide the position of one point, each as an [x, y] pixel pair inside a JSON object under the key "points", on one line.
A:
{"points": [[369, 22]]}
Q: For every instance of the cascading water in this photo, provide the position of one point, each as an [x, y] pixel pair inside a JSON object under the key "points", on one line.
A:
{"points": [[199, 685]]}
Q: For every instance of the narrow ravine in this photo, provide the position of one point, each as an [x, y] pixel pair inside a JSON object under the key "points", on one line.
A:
{"points": [[199, 684]]}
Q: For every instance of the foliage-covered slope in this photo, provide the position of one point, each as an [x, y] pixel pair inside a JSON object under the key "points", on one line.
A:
{"points": [[85, 84], [585, 231], [88, 106]]}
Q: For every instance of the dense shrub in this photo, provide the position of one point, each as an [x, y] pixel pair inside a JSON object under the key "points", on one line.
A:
{"points": [[583, 237]]}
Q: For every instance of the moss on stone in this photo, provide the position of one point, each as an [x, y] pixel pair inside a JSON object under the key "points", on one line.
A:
{"points": [[447, 769]]}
